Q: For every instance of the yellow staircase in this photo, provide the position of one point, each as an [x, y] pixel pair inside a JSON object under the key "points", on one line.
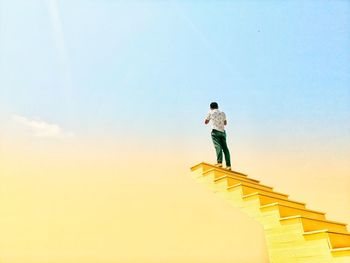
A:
{"points": [[293, 232]]}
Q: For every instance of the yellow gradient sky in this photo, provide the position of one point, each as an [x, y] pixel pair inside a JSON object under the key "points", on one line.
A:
{"points": [[105, 201], [83, 203]]}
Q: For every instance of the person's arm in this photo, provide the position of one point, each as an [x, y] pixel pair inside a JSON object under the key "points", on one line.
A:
{"points": [[207, 119]]}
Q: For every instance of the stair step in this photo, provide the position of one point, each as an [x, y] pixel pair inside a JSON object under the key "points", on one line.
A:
{"points": [[286, 211], [337, 240], [219, 174], [312, 224], [206, 166], [267, 199], [200, 166], [232, 180], [246, 189], [341, 249], [341, 252]]}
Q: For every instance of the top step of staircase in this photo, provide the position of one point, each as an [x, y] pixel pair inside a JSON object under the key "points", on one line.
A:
{"points": [[206, 166], [225, 174]]}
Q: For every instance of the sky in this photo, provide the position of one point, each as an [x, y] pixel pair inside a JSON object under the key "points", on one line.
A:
{"points": [[105, 100]]}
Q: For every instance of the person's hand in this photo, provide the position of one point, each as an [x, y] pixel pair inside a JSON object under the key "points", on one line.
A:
{"points": [[206, 121]]}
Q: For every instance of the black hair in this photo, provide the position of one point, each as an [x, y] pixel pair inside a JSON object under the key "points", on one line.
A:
{"points": [[214, 105]]}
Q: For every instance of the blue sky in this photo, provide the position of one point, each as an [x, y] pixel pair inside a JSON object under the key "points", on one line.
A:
{"points": [[277, 68]]}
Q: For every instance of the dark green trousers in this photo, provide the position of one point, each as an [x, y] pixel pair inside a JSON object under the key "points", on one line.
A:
{"points": [[219, 140]]}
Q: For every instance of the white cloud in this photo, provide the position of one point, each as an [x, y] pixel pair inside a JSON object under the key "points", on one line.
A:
{"points": [[41, 128]]}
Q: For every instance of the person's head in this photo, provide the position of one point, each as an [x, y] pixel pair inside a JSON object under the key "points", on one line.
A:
{"points": [[214, 106]]}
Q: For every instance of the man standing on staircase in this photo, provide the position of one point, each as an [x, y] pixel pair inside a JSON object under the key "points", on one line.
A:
{"points": [[218, 134]]}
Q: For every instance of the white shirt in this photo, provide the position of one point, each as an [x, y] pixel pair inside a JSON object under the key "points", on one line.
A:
{"points": [[217, 119]]}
